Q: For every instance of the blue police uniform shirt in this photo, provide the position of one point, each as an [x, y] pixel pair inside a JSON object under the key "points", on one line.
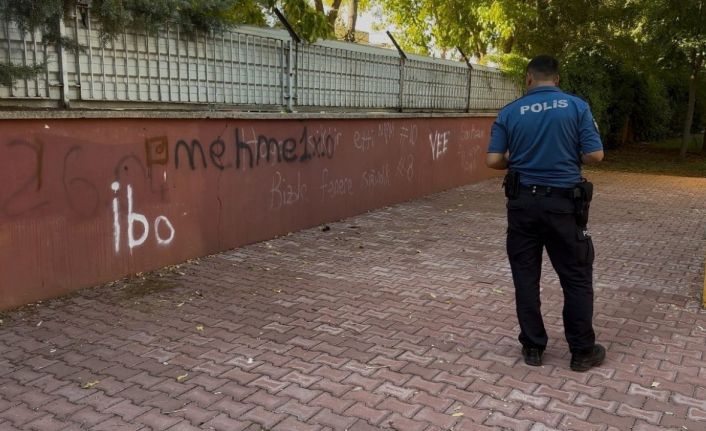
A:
{"points": [[546, 131]]}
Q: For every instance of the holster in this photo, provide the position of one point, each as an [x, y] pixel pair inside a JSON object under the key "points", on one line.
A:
{"points": [[511, 183], [583, 194]]}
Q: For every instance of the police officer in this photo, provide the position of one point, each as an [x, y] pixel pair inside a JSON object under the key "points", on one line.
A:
{"points": [[542, 139]]}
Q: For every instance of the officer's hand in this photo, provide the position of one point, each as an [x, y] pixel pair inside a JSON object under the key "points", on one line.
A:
{"points": [[591, 158]]}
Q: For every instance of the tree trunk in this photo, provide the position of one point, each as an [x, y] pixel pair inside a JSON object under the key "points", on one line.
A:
{"points": [[686, 133], [319, 6], [479, 51], [688, 121], [352, 19], [507, 45], [333, 13]]}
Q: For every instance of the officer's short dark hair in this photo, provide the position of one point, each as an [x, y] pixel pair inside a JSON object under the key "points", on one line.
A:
{"points": [[544, 67]]}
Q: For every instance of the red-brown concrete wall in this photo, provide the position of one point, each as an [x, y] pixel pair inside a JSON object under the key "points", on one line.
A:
{"points": [[76, 194]]}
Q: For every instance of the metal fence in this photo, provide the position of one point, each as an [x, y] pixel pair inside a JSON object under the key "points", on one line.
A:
{"points": [[246, 68]]}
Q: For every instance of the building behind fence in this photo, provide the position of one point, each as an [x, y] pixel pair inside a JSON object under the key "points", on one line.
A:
{"points": [[246, 68]]}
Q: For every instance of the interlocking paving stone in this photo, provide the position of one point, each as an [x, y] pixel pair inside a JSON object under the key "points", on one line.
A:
{"points": [[416, 330]]}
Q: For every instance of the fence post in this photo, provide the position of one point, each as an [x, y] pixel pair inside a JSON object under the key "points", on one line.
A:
{"points": [[403, 59], [401, 96], [9, 52], [291, 64], [470, 77], [291, 55], [470, 88], [63, 70], [79, 78]]}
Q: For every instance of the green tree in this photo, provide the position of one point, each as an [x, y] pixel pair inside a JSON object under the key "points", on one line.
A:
{"points": [[307, 21], [116, 16], [332, 14], [425, 26], [677, 29], [602, 45], [354, 7], [30, 15]]}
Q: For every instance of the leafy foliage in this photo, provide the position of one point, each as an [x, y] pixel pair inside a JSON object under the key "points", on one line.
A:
{"points": [[307, 22], [638, 62], [117, 16], [676, 29], [191, 16], [36, 14], [586, 74], [10, 72]]}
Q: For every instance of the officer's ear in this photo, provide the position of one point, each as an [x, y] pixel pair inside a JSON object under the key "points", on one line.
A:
{"points": [[556, 79], [528, 79]]}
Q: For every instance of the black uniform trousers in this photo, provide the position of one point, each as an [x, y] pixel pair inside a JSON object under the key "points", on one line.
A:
{"points": [[544, 218]]}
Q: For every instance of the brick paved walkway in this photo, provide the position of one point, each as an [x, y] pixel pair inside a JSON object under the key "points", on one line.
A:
{"points": [[399, 319]]}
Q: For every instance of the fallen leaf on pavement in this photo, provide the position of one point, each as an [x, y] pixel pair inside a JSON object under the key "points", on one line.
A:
{"points": [[90, 384]]}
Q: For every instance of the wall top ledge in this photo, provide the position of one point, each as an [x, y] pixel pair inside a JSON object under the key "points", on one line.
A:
{"points": [[235, 115]]}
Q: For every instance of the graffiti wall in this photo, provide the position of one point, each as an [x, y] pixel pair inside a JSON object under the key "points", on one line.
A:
{"points": [[91, 200]]}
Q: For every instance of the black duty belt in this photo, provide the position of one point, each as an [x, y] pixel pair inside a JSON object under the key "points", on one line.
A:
{"points": [[547, 191]]}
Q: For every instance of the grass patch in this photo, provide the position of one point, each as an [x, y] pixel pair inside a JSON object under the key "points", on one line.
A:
{"points": [[660, 158], [695, 144]]}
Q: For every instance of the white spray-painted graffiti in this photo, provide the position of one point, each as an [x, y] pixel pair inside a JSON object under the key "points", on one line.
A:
{"points": [[286, 193], [135, 217], [363, 140], [405, 167], [228, 150], [376, 177], [439, 142], [334, 187], [408, 134], [385, 131]]}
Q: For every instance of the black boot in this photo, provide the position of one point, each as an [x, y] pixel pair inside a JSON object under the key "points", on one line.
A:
{"points": [[584, 361], [532, 356]]}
